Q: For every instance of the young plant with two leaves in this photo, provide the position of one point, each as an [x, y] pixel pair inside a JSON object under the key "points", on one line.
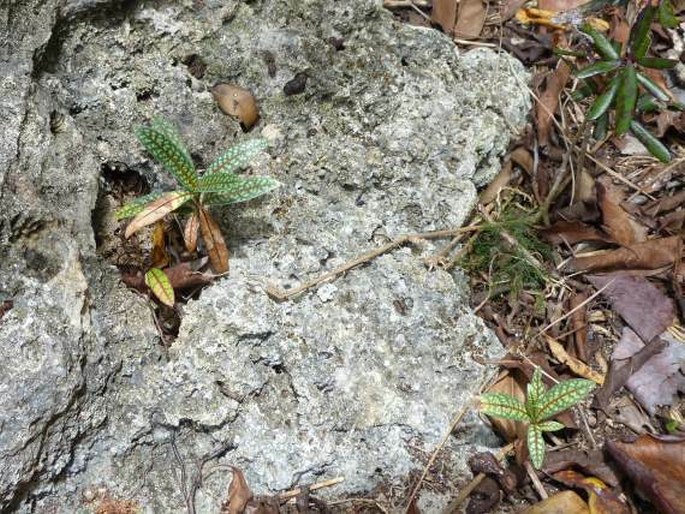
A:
{"points": [[540, 405], [218, 185], [622, 82]]}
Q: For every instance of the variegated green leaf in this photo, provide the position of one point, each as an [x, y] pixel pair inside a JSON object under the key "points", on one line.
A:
{"points": [[501, 405], [165, 145], [563, 396], [225, 188], [135, 206], [536, 446], [237, 156], [550, 426], [536, 389], [655, 147], [159, 284]]}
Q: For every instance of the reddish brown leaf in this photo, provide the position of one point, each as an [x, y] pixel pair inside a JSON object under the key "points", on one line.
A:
{"points": [[656, 465], [652, 254], [182, 276], [239, 494], [641, 304], [572, 232], [590, 462], [618, 223], [659, 379], [157, 210], [498, 183], [523, 158], [214, 241], [579, 324], [470, 19], [444, 13], [190, 233], [237, 101], [549, 100]]}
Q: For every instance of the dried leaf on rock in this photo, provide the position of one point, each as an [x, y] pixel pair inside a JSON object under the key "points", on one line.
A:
{"points": [[656, 465], [652, 254], [640, 303], [239, 494], [617, 222], [566, 502], [214, 241], [659, 379], [549, 101], [237, 101], [444, 14], [470, 19]]}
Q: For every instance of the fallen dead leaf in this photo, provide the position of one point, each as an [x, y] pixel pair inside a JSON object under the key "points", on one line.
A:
{"points": [[656, 465], [444, 14], [659, 379], [182, 276], [156, 210], [237, 101], [590, 462], [578, 367], [652, 254], [566, 502], [640, 303], [572, 232], [214, 241], [622, 228], [578, 309], [559, 5], [498, 183], [470, 19], [159, 256], [601, 499], [190, 233], [549, 100]]}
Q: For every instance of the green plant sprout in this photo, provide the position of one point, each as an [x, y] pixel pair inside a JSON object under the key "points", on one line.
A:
{"points": [[624, 87], [541, 404], [218, 185]]}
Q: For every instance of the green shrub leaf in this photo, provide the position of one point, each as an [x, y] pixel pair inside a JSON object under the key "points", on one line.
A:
{"points": [[536, 446], [601, 128], [652, 87], [602, 44], [562, 396], [165, 145], [639, 35], [237, 156], [135, 206], [603, 101], [667, 15], [598, 68], [656, 63], [655, 147], [503, 405], [626, 99], [159, 284]]}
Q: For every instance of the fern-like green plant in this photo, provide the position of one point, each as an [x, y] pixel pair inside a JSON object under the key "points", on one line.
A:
{"points": [[218, 185], [541, 404], [625, 87]]}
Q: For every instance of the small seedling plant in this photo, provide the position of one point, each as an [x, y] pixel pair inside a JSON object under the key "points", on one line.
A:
{"points": [[540, 405], [218, 185], [622, 83]]}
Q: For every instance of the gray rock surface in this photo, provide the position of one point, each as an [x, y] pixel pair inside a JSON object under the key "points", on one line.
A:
{"points": [[358, 378]]}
